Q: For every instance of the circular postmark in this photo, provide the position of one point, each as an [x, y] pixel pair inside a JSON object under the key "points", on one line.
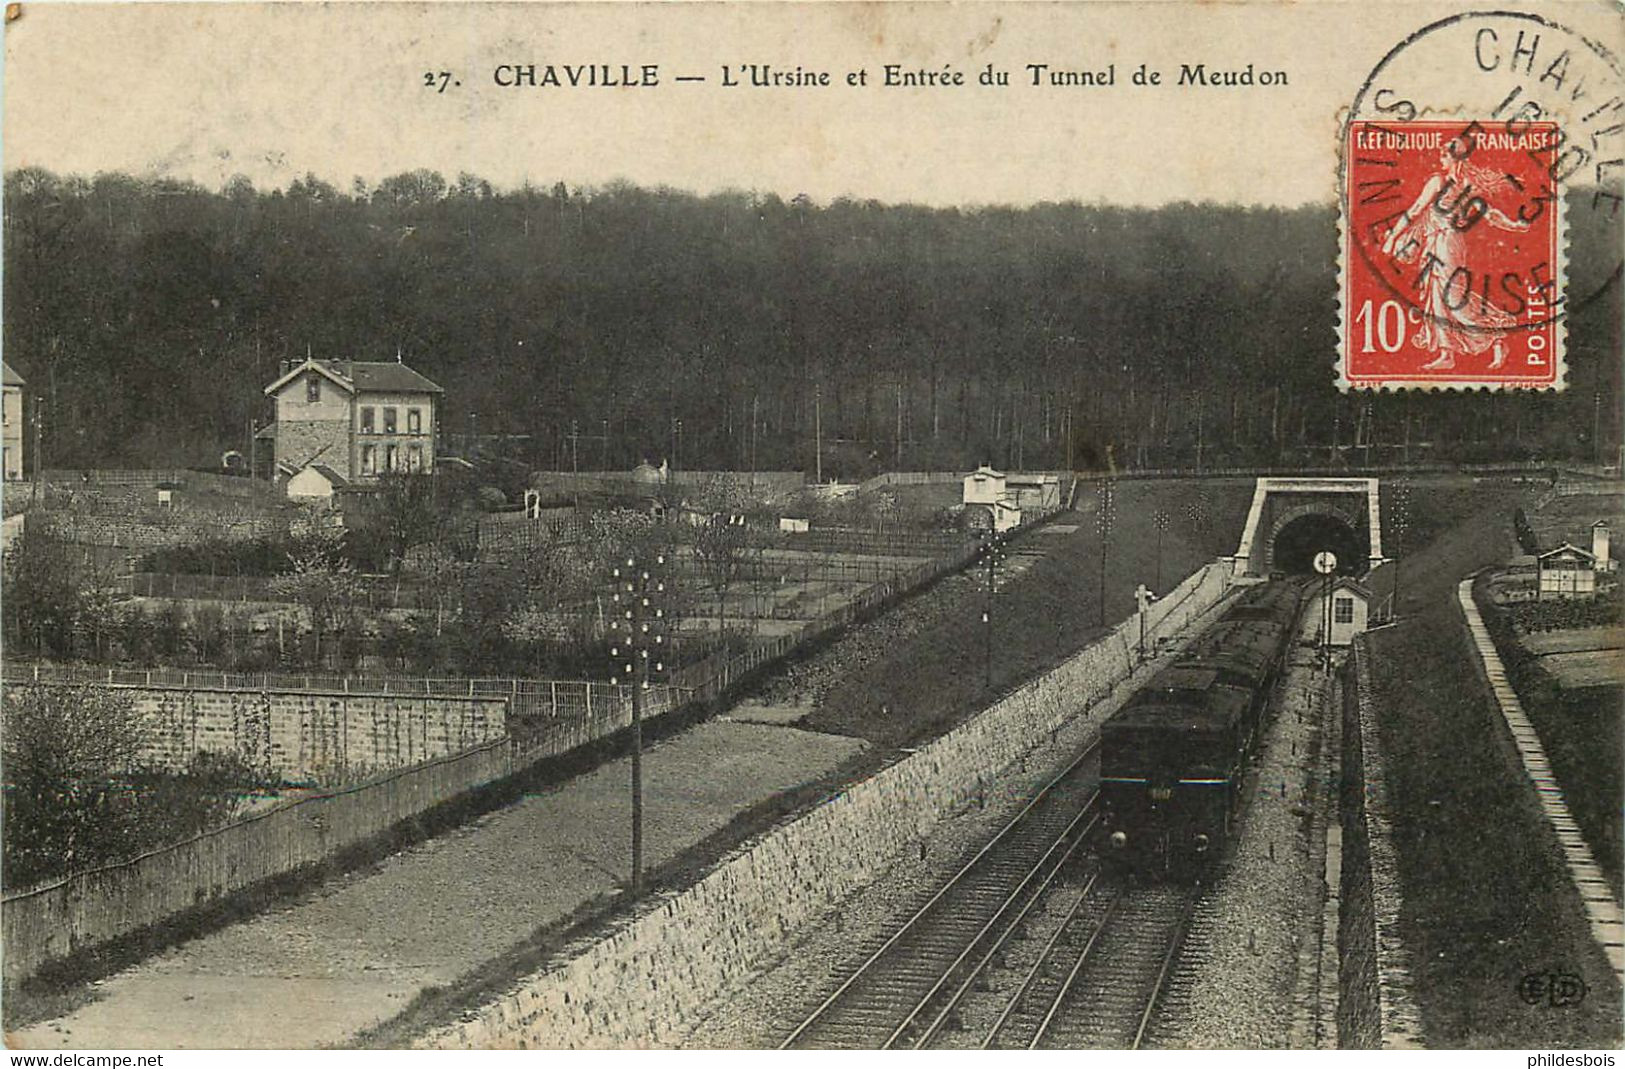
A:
{"points": [[1480, 177]]}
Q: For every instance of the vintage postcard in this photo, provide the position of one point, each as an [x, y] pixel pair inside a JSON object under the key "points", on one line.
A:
{"points": [[812, 525]]}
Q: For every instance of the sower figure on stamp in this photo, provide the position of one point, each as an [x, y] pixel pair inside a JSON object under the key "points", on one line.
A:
{"points": [[1433, 233]]}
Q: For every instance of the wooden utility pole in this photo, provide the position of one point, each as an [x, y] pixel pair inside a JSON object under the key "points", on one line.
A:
{"points": [[39, 455], [818, 437], [575, 462], [899, 424], [755, 435]]}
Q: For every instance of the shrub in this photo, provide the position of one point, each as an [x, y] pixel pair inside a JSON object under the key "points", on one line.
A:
{"points": [[136, 634], [68, 752], [1527, 539]]}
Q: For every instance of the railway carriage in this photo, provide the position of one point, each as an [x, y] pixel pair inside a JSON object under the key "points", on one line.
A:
{"points": [[1173, 758]]}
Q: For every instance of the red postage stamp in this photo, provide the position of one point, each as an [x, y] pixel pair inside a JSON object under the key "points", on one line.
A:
{"points": [[1453, 256]]}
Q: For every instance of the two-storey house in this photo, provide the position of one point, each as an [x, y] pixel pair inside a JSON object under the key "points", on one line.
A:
{"points": [[360, 419]]}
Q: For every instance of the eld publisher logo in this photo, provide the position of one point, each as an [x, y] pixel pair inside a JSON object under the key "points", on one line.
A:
{"points": [[1555, 989]]}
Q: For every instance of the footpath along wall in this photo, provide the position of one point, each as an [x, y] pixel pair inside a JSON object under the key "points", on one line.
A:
{"points": [[641, 986]]}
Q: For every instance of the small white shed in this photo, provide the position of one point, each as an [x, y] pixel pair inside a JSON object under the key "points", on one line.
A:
{"points": [[315, 483], [1351, 607], [984, 486]]}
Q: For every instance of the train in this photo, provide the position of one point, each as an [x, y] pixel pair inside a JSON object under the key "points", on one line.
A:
{"points": [[1173, 758]]}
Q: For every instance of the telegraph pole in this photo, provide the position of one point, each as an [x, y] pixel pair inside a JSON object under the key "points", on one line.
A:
{"points": [[1103, 521], [1596, 427], [755, 436], [1401, 513], [575, 463], [644, 627], [39, 455], [818, 436], [899, 424], [993, 554], [1161, 519]]}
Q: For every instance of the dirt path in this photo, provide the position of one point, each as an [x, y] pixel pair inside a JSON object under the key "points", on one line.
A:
{"points": [[354, 953]]}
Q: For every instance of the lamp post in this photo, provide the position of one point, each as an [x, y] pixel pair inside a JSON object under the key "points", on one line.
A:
{"points": [[638, 628]]}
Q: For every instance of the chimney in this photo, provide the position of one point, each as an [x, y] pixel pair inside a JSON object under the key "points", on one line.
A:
{"points": [[1599, 544]]}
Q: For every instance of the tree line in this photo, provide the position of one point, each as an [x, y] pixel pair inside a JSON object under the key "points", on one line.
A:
{"points": [[596, 327]]}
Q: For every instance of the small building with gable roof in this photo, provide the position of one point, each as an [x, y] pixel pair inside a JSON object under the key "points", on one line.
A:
{"points": [[1351, 609]]}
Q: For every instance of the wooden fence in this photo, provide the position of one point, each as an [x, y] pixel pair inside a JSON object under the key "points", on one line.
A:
{"points": [[554, 699], [150, 478]]}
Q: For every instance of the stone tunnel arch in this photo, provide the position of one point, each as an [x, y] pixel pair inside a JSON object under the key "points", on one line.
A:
{"points": [[1293, 545], [1293, 518]]}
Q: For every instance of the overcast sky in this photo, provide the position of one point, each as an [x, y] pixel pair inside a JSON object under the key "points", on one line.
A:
{"points": [[205, 92]]}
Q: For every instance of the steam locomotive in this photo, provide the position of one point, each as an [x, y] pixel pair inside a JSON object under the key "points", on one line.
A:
{"points": [[1173, 758]]}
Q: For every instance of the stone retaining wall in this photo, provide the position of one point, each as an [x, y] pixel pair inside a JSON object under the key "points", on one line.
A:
{"points": [[88, 910], [313, 737], [642, 985], [1375, 1009]]}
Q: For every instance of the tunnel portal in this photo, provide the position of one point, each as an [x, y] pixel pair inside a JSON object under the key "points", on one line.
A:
{"points": [[1294, 517], [1297, 542]]}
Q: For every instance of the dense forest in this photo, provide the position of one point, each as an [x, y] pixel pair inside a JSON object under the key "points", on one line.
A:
{"points": [[730, 330]]}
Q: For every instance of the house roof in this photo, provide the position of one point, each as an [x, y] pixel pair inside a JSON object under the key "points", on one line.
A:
{"points": [[1566, 547], [986, 472], [384, 376], [1352, 585], [333, 478], [10, 377], [389, 376]]}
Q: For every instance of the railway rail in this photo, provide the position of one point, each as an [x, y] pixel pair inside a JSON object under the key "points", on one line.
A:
{"points": [[1029, 945], [1095, 981], [897, 993]]}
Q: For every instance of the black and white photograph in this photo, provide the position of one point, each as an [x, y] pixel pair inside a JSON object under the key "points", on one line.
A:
{"points": [[738, 526]]}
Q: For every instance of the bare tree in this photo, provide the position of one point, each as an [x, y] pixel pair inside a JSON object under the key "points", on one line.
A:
{"points": [[324, 584]]}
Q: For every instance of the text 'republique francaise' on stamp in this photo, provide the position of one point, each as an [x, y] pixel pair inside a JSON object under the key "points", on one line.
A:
{"points": [[1468, 154]]}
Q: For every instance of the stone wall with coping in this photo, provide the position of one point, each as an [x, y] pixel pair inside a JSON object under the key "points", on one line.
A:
{"points": [[644, 984]]}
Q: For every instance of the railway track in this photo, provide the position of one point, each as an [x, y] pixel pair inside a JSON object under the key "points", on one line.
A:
{"points": [[898, 993], [1116, 980], [1093, 977]]}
